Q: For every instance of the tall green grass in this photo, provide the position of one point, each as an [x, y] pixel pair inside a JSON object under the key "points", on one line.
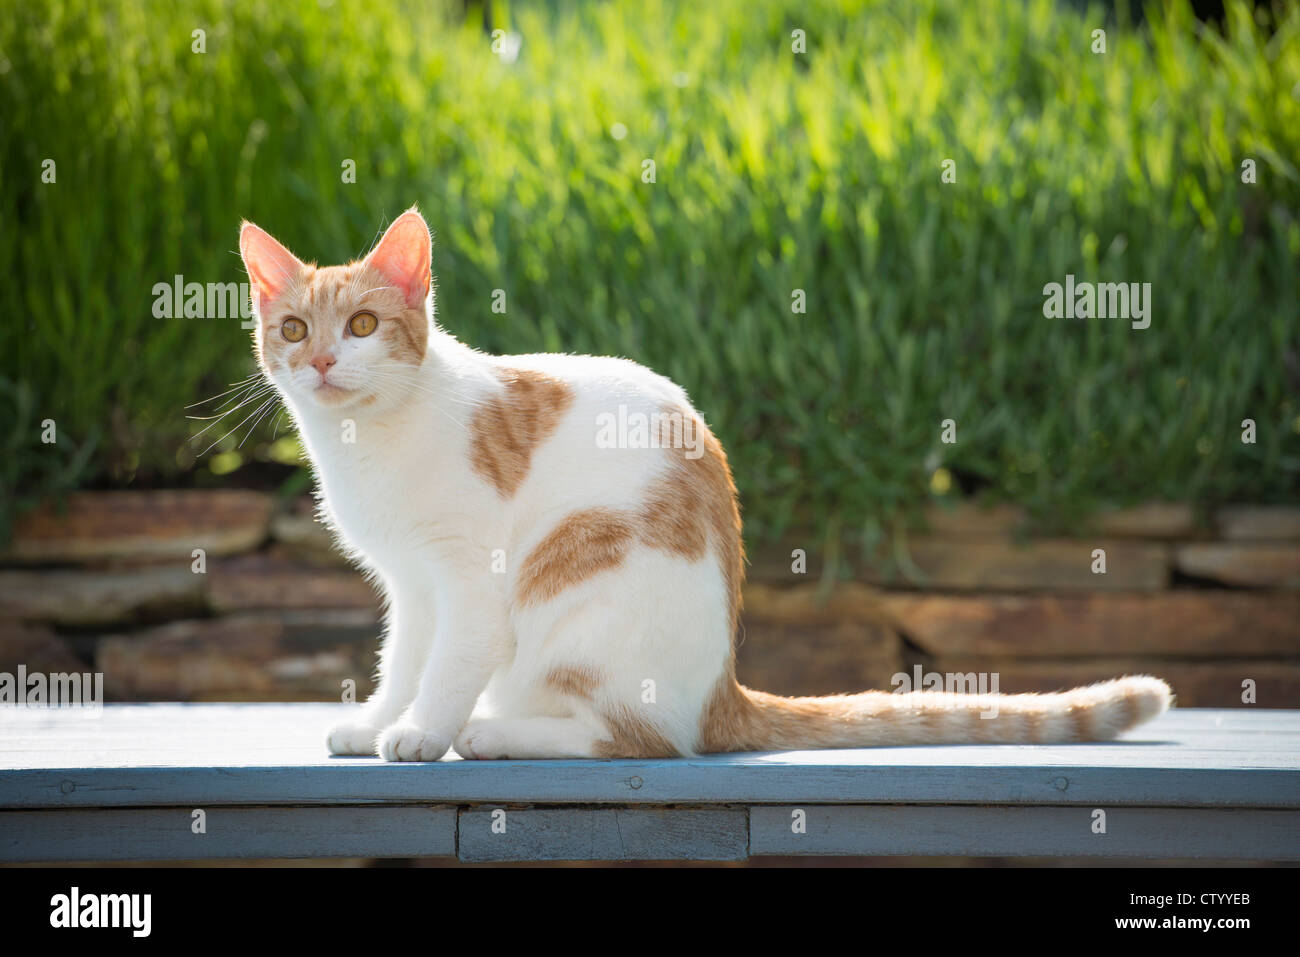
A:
{"points": [[775, 171]]}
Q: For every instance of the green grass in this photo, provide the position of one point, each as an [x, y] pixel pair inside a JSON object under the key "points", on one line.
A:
{"points": [[775, 172]]}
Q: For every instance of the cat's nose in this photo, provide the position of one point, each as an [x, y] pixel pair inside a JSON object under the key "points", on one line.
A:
{"points": [[322, 364]]}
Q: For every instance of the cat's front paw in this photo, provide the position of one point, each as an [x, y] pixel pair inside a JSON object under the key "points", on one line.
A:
{"points": [[479, 740], [356, 739], [406, 742]]}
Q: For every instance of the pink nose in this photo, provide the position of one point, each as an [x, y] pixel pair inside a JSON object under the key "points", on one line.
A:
{"points": [[322, 364]]}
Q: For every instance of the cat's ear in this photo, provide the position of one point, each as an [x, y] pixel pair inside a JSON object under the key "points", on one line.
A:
{"points": [[271, 267], [403, 257]]}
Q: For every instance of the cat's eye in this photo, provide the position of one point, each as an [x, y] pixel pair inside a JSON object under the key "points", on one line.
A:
{"points": [[295, 330], [362, 324]]}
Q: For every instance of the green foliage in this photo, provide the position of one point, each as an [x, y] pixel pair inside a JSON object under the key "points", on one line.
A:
{"points": [[775, 171]]}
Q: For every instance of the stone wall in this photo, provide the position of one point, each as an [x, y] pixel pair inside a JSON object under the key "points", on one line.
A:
{"points": [[229, 595]]}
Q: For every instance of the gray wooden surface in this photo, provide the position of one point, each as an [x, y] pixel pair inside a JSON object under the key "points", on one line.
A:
{"points": [[1219, 833], [603, 834], [123, 784], [160, 834]]}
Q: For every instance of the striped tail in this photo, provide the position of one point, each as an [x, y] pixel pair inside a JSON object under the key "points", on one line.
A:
{"points": [[757, 721]]}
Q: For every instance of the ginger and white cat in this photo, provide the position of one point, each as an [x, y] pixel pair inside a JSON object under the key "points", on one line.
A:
{"points": [[548, 595]]}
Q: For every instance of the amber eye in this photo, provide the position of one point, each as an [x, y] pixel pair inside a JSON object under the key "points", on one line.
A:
{"points": [[362, 324], [295, 330]]}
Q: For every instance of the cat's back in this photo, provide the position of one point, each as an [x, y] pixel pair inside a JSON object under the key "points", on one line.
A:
{"points": [[595, 428], [598, 379]]}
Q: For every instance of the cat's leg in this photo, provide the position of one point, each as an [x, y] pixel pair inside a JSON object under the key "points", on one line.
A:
{"points": [[405, 649], [472, 640], [540, 737]]}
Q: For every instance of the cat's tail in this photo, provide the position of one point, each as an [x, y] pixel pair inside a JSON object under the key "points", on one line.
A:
{"points": [[748, 720]]}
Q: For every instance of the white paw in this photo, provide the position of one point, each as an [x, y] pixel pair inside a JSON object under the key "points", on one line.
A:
{"points": [[405, 742], [481, 741], [352, 739]]}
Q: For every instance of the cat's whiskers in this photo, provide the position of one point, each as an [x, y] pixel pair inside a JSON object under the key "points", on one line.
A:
{"points": [[268, 406], [235, 387], [252, 387], [253, 397], [238, 399], [256, 411]]}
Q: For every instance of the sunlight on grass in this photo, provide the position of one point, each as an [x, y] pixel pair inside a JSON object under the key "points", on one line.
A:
{"points": [[776, 171]]}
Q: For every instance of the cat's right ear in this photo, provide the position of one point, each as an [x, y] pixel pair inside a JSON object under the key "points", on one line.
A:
{"points": [[271, 267]]}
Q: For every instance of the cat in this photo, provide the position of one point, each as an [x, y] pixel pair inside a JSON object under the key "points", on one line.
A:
{"points": [[549, 595]]}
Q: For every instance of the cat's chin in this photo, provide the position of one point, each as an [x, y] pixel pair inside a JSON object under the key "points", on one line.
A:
{"points": [[327, 396]]}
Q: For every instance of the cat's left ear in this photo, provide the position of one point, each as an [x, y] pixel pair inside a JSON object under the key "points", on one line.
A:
{"points": [[403, 257]]}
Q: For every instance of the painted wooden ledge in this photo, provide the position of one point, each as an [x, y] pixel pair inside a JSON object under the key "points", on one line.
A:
{"points": [[124, 784]]}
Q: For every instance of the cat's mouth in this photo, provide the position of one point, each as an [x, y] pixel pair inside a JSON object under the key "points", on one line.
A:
{"points": [[327, 393]]}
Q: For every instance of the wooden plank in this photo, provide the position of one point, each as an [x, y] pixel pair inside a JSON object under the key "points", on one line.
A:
{"points": [[1258, 565], [303, 725], [158, 755], [1176, 833], [1035, 565], [700, 781], [296, 732], [1242, 718], [1200, 682], [1148, 520], [141, 524], [1256, 522], [36, 749], [611, 834], [102, 596], [1186, 623], [158, 834], [249, 655], [1220, 747]]}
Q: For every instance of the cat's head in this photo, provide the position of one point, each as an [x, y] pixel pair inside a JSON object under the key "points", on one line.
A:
{"points": [[341, 336]]}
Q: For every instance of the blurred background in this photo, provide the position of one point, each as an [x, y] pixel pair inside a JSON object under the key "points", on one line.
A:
{"points": [[831, 221]]}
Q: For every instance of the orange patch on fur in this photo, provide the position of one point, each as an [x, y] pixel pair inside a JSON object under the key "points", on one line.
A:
{"points": [[632, 736], [728, 716], [1034, 725], [577, 681], [993, 729], [509, 427], [694, 505], [737, 718], [1080, 718], [1132, 709], [690, 509], [583, 544]]}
